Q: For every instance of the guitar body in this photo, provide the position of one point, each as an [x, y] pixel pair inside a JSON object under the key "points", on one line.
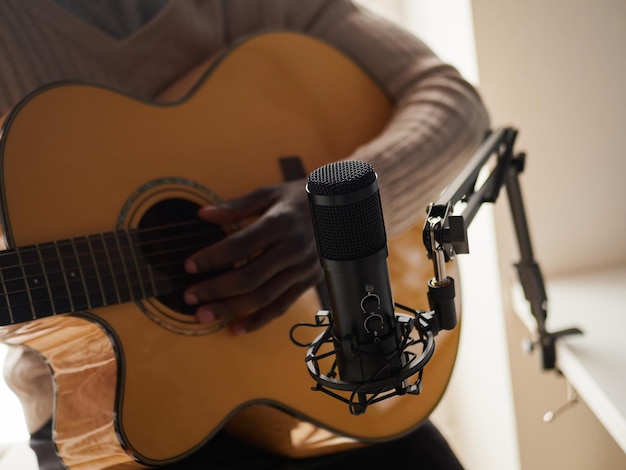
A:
{"points": [[142, 383]]}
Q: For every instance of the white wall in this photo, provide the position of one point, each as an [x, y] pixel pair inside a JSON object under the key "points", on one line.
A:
{"points": [[555, 69]]}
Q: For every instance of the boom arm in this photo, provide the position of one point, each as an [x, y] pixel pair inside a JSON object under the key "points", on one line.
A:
{"points": [[445, 234]]}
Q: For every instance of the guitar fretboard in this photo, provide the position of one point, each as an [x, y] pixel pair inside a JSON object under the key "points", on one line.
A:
{"points": [[83, 273]]}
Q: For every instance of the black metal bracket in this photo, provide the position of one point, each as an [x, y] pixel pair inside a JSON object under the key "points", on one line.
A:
{"points": [[445, 233]]}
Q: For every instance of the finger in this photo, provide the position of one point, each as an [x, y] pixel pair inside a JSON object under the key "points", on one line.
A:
{"points": [[238, 209], [245, 242], [261, 305], [252, 276], [272, 226], [237, 247]]}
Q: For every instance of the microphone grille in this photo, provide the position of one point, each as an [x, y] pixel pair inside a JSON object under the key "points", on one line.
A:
{"points": [[353, 230], [341, 178]]}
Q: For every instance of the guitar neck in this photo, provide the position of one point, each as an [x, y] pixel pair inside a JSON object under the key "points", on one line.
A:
{"points": [[82, 273]]}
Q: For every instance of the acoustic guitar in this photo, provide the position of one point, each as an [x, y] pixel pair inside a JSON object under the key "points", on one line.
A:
{"points": [[99, 196]]}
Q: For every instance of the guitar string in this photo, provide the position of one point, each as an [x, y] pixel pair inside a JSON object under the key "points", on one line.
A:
{"points": [[69, 243], [134, 233], [162, 286], [117, 263], [121, 261]]}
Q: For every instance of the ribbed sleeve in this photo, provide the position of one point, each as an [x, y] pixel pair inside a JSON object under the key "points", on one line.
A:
{"points": [[438, 120]]}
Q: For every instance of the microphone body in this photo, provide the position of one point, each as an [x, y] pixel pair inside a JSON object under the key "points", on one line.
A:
{"points": [[352, 245]]}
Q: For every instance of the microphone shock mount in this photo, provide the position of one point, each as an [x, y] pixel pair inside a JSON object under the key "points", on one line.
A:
{"points": [[416, 347]]}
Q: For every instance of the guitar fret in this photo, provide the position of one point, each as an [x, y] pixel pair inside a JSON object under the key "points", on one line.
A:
{"points": [[88, 273], [103, 269], [133, 256], [121, 290], [5, 308], [36, 282], [65, 278], [57, 284], [81, 273], [87, 265], [28, 292], [134, 283], [45, 277], [95, 264], [18, 299], [73, 274]]}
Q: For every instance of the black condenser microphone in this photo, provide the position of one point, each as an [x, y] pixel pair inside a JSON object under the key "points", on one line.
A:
{"points": [[352, 245]]}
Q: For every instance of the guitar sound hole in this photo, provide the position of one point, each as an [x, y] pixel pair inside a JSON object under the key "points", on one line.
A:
{"points": [[168, 233]]}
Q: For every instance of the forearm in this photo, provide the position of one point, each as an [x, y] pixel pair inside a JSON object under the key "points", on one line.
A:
{"points": [[433, 132], [438, 118]]}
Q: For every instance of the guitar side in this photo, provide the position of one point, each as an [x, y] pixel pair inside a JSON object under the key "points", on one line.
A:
{"points": [[101, 160]]}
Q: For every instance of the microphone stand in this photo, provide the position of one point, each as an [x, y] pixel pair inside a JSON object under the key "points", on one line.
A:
{"points": [[445, 234]]}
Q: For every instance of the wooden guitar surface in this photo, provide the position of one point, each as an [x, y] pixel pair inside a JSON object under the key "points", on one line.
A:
{"points": [[142, 383]]}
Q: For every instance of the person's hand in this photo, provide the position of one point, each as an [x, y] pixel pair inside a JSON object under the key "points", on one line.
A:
{"points": [[275, 258]]}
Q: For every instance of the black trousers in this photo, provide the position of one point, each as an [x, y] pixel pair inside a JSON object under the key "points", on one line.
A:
{"points": [[424, 449]]}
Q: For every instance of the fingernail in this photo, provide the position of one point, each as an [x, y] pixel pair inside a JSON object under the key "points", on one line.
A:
{"points": [[191, 267], [205, 315], [238, 330], [190, 299], [209, 209]]}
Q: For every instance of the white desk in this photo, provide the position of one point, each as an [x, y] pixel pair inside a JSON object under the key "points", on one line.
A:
{"points": [[595, 362]]}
